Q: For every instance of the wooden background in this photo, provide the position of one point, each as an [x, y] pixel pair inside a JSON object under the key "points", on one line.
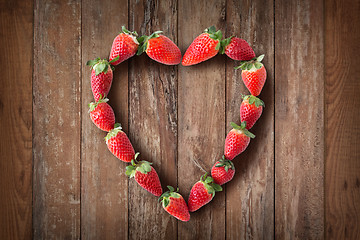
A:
{"points": [[298, 179]]}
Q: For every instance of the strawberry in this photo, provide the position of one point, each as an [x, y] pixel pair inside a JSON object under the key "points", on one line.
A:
{"points": [[237, 140], [102, 114], [119, 144], [101, 77], [204, 47], [223, 171], [202, 192], [237, 49], [145, 175], [253, 74], [124, 46], [175, 204], [250, 110], [160, 48]]}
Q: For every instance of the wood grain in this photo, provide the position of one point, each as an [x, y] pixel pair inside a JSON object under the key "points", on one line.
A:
{"points": [[299, 114], [153, 120], [104, 185], [250, 195], [342, 117], [16, 24], [57, 119], [59, 181], [201, 118]]}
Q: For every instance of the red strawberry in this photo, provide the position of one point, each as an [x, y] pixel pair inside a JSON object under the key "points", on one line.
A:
{"points": [[119, 144], [124, 46], [254, 75], [175, 204], [223, 171], [237, 140], [250, 110], [101, 77], [237, 49], [145, 175], [102, 114], [204, 47], [160, 48], [202, 192]]}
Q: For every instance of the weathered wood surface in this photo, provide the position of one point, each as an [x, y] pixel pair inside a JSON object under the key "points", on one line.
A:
{"points": [[342, 117], [153, 120], [201, 119], [299, 178], [250, 195], [57, 119], [299, 120], [104, 185], [16, 54]]}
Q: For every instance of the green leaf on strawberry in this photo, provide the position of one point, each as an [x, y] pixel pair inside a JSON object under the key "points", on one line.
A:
{"points": [[113, 132], [217, 187], [93, 105], [216, 35], [257, 65], [226, 164], [224, 43], [92, 62], [99, 65], [252, 99], [130, 171], [143, 41], [144, 167], [242, 128], [124, 30], [210, 185], [208, 180], [164, 198], [141, 166], [260, 58], [114, 60], [253, 64], [171, 188]]}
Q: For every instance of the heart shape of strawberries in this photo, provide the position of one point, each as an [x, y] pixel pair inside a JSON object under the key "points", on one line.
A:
{"points": [[161, 49]]}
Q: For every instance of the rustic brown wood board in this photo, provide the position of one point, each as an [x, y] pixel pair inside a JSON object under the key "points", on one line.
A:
{"points": [[298, 179]]}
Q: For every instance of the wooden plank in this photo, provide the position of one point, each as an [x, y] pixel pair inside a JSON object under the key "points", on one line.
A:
{"points": [[342, 117], [153, 120], [16, 27], [250, 195], [201, 118], [56, 119], [104, 185], [299, 114]]}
